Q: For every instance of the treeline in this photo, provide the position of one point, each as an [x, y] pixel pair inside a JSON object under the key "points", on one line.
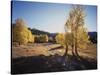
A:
{"points": [[21, 34], [52, 36]]}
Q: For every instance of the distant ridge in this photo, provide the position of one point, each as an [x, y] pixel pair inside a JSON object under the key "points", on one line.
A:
{"points": [[38, 32]]}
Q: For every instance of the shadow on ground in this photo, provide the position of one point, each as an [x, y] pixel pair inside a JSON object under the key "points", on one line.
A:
{"points": [[55, 63]]}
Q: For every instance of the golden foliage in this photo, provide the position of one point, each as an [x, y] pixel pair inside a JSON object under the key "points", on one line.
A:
{"points": [[41, 38], [20, 33], [75, 24], [83, 37], [60, 38]]}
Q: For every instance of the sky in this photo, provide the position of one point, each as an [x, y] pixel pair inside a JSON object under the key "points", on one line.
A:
{"points": [[50, 17]]}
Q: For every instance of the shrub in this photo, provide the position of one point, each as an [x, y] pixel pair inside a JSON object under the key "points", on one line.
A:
{"points": [[41, 38]]}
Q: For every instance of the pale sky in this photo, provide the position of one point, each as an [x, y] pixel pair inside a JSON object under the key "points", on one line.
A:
{"points": [[50, 17]]}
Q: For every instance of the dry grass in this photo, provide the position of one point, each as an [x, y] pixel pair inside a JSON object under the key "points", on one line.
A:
{"points": [[44, 49]]}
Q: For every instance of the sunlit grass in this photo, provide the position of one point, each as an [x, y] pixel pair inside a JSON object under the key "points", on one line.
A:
{"points": [[43, 49]]}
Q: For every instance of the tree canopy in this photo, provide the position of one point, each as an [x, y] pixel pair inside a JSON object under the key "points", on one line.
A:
{"points": [[76, 25], [20, 33]]}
